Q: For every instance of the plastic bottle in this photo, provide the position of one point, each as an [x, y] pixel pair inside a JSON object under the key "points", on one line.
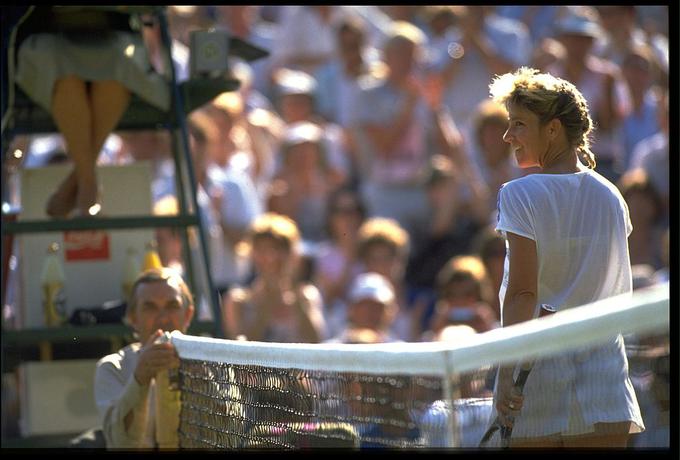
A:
{"points": [[130, 272], [52, 280], [151, 257], [168, 405]]}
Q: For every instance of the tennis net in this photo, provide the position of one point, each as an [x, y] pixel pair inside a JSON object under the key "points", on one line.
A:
{"points": [[239, 394]]}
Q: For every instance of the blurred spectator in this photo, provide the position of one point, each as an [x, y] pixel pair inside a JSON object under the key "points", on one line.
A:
{"points": [[600, 83], [395, 137], [547, 53], [486, 44], [301, 188], [252, 98], [296, 102], [339, 78], [305, 39], [158, 54], [538, 19], [492, 156], [646, 210], [641, 119], [246, 23], [155, 148], [168, 239], [651, 154], [464, 296], [263, 129], [371, 309], [489, 246], [439, 27], [233, 147], [451, 228], [376, 20], [407, 13], [340, 83], [184, 19], [383, 248], [277, 307], [653, 19], [336, 259], [623, 32], [228, 203]]}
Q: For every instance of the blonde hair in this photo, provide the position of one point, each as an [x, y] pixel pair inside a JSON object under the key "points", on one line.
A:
{"points": [[466, 268], [280, 228], [549, 98], [385, 231]]}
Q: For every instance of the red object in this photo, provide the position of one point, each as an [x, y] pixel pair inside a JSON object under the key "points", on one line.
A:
{"points": [[86, 245]]}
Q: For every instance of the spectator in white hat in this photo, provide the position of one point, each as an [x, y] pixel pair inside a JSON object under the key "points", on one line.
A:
{"points": [[370, 311]]}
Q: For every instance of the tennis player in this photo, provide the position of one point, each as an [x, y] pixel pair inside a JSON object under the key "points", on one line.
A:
{"points": [[566, 231]]}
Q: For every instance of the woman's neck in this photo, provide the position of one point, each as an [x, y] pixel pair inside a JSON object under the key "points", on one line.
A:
{"points": [[564, 162]]}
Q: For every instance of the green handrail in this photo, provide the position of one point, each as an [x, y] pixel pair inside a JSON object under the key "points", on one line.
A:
{"points": [[98, 223]]}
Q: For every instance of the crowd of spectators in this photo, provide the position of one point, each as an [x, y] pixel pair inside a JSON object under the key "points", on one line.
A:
{"points": [[357, 167]]}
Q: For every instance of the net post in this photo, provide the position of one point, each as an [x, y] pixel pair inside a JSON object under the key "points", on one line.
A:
{"points": [[451, 387]]}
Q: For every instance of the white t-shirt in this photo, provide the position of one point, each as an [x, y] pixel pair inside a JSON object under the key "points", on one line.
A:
{"points": [[580, 224]]}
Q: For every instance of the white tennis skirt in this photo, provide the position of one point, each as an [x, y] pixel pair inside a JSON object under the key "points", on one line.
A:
{"points": [[569, 393], [43, 58]]}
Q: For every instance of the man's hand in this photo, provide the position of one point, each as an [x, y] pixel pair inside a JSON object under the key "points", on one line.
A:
{"points": [[155, 357]]}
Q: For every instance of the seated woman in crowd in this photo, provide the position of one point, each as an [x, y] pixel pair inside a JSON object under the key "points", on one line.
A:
{"points": [[277, 307], [335, 263]]}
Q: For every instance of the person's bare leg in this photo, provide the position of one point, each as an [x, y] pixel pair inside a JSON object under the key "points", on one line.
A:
{"points": [[63, 200], [605, 435], [71, 114], [108, 101]]}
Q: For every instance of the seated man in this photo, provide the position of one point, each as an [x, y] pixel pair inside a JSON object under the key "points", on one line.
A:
{"points": [[124, 382]]}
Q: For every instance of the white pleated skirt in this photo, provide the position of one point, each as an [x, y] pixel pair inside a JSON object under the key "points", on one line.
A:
{"points": [[569, 393]]}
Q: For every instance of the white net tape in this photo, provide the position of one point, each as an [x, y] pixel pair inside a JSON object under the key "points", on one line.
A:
{"points": [[645, 311]]}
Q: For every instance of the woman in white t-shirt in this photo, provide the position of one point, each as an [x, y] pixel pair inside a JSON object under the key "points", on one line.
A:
{"points": [[566, 230]]}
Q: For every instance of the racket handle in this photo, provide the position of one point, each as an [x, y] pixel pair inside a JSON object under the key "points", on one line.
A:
{"points": [[522, 377]]}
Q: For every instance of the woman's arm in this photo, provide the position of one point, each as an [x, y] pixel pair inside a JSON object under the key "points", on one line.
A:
{"points": [[312, 326], [521, 294], [518, 306]]}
